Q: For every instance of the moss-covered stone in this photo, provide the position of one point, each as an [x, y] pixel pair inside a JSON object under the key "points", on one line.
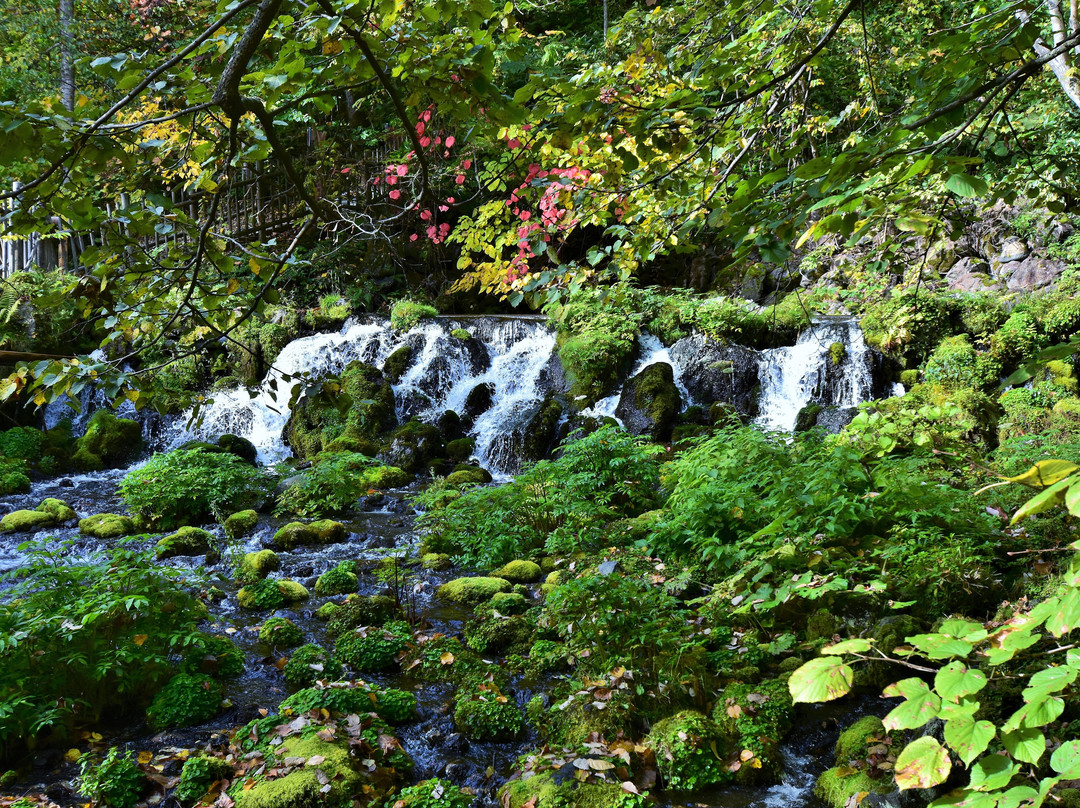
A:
{"points": [[241, 523], [473, 475], [25, 521], [909, 378], [483, 713], [509, 603], [256, 566], [472, 590], [1069, 407], [684, 745], [107, 526], [397, 363], [852, 742], [292, 591], [821, 625], [271, 594], [360, 610], [384, 477], [520, 572], [298, 534], [59, 510], [109, 441], [413, 446], [241, 447], [281, 632], [460, 450], [187, 541], [502, 634], [1063, 375], [186, 700], [303, 787], [435, 561], [756, 717], [339, 580], [542, 431], [460, 333], [327, 610], [548, 790], [806, 419], [837, 353], [407, 314], [650, 402], [839, 785], [309, 664]]}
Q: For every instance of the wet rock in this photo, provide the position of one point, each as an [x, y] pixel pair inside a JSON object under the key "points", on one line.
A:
{"points": [[107, 526], [413, 446], [1013, 249], [478, 401], [834, 419], [1033, 273], [109, 442], [450, 426], [187, 541], [297, 534], [650, 402], [241, 447], [717, 373], [66, 483], [542, 431]]}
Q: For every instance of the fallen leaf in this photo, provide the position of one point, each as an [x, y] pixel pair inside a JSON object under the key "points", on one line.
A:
{"points": [[139, 639], [447, 658]]}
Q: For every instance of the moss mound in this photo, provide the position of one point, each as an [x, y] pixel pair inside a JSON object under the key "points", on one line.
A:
{"points": [[520, 572], [684, 751], [339, 580], [472, 590], [297, 534], [255, 566], [109, 442], [281, 632], [107, 526], [187, 541], [25, 521], [58, 509], [240, 523], [185, 701]]}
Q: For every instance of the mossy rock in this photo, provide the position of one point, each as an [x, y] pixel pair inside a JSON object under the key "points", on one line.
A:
{"points": [[542, 431], [470, 591], [509, 603], [553, 790], [268, 594], [280, 632], [520, 572], [407, 314], [298, 534], [26, 521], [107, 526], [837, 353], [821, 625], [460, 333], [684, 745], [339, 580], [256, 566], [361, 610], [413, 446], [397, 363], [1062, 374], [650, 402], [488, 634], [304, 787], [59, 510], [185, 701], [909, 378], [852, 741], [309, 664], [241, 447], [241, 523], [482, 713], [474, 475], [839, 785], [350, 443], [109, 441], [326, 611], [373, 649], [383, 477], [806, 419], [292, 591], [187, 541], [460, 450], [435, 561], [213, 655], [756, 717], [1069, 407]]}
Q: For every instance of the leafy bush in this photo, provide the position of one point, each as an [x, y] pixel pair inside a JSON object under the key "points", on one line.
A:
{"points": [[199, 773], [185, 701], [407, 314], [115, 781], [281, 632], [392, 706], [483, 713], [213, 655], [334, 484], [373, 649], [559, 504], [309, 664], [78, 640], [339, 580], [190, 486], [432, 793], [907, 323]]}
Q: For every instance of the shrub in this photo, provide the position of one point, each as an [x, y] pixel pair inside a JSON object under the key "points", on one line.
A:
{"points": [[334, 484], [212, 655], [392, 706], [190, 486], [483, 713], [373, 649], [684, 747], [115, 781], [82, 639], [907, 323], [407, 314], [309, 664], [185, 701], [199, 773], [357, 611], [339, 580]]}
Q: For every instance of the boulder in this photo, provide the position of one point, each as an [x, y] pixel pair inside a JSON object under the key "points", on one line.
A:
{"points": [[108, 442], [717, 373], [107, 526], [472, 590], [241, 447], [649, 402], [413, 446], [297, 534], [187, 541], [58, 509], [542, 431], [970, 275], [478, 401], [26, 521], [1032, 273]]}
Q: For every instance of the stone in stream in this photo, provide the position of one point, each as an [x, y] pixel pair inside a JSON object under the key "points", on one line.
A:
{"points": [[60, 510], [109, 442], [650, 402], [26, 521], [297, 534], [107, 526], [713, 372], [187, 541]]}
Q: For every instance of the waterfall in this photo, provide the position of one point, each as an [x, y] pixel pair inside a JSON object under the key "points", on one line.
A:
{"points": [[794, 376], [652, 351], [511, 355]]}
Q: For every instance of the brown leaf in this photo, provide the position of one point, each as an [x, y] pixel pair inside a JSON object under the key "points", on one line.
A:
{"points": [[139, 639], [630, 787]]}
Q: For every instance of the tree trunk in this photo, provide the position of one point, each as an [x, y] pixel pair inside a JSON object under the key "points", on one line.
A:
{"points": [[67, 54]]}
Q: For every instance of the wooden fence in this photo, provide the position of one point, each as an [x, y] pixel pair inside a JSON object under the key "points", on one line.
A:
{"points": [[257, 203]]}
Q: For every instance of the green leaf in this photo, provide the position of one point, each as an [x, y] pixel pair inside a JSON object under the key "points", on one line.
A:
{"points": [[1027, 745], [968, 737], [923, 763], [956, 679], [920, 705], [966, 185], [1066, 616], [1036, 713], [857, 646], [1050, 680], [1045, 473], [940, 646], [1044, 501], [821, 679], [992, 772]]}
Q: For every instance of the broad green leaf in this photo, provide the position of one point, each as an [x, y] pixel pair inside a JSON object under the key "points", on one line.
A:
{"points": [[940, 646], [920, 705], [821, 679], [1066, 760], [1018, 796], [992, 772], [1072, 497], [923, 763], [1050, 680], [1027, 745], [857, 646], [966, 185], [1066, 616], [1045, 473], [1044, 501], [1036, 713], [956, 679], [968, 737], [966, 630]]}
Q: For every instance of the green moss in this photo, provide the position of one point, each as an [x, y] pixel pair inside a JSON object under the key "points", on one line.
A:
{"points": [[397, 363], [309, 664], [256, 566], [373, 649], [354, 445], [520, 572], [468, 476], [483, 713], [909, 378], [435, 561], [460, 450], [185, 701], [909, 324], [407, 314], [241, 523], [358, 611], [543, 791], [292, 591], [213, 655], [109, 440], [756, 717], [326, 611], [851, 744], [837, 786], [298, 534], [837, 353], [488, 634], [656, 394], [241, 447], [271, 594], [414, 445], [281, 632], [199, 773], [955, 365], [347, 698], [384, 477], [509, 603], [1069, 407], [821, 625], [684, 751], [542, 430], [187, 541], [302, 787], [58, 509], [472, 590], [339, 580], [460, 333], [25, 521], [107, 526], [1063, 375]]}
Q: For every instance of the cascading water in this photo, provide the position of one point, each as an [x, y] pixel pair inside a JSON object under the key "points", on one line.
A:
{"points": [[794, 376], [652, 351], [511, 355]]}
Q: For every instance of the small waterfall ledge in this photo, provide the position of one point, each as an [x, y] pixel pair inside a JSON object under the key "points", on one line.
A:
{"points": [[515, 359]]}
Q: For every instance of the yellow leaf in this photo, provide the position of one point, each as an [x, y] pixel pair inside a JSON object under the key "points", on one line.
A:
{"points": [[145, 757], [72, 755], [139, 639], [447, 658]]}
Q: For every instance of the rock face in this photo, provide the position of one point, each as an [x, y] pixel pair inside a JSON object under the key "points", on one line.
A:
{"points": [[542, 430], [1031, 273], [649, 402], [970, 275], [717, 373]]}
